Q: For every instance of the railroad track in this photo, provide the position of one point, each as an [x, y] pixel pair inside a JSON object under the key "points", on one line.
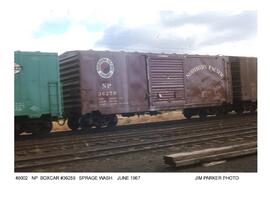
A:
{"points": [[189, 135], [78, 133]]}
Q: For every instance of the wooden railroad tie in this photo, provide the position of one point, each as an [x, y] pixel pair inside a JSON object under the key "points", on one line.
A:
{"points": [[210, 154]]}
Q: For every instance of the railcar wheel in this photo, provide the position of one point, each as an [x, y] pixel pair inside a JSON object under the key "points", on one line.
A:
{"points": [[253, 109], [187, 113], [112, 121], [86, 122], [18, 129], [221, 111], [17, 133], [45, 127], [97, 125], [239, 110], [73, 123], [202, 114]]}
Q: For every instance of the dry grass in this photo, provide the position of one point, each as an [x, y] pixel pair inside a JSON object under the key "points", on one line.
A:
{"points": [[57, 127], [172, 115]]}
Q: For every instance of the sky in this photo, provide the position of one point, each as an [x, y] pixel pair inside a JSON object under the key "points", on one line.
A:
{"points": [[194, 26]]}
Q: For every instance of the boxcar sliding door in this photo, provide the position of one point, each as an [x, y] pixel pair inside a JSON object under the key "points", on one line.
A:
{"points": [[166, 81]]}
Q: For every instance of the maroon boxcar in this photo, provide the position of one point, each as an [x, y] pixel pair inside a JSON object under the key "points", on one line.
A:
{"points": [[97, 85], [197, 84]]}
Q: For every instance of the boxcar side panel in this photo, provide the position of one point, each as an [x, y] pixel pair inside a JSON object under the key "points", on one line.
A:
{"points": [[112, 82], [207, 81], [137, 82], [37, 90]]}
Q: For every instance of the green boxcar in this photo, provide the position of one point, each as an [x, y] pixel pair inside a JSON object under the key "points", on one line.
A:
{"points": [[38, 99]]}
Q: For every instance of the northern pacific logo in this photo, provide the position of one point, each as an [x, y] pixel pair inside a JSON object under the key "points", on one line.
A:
{"points": [[105, 68], [204, 68], [17, 68]]}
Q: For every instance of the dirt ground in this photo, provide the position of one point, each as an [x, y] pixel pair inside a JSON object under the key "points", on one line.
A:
{"points": [[165, 116]]}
